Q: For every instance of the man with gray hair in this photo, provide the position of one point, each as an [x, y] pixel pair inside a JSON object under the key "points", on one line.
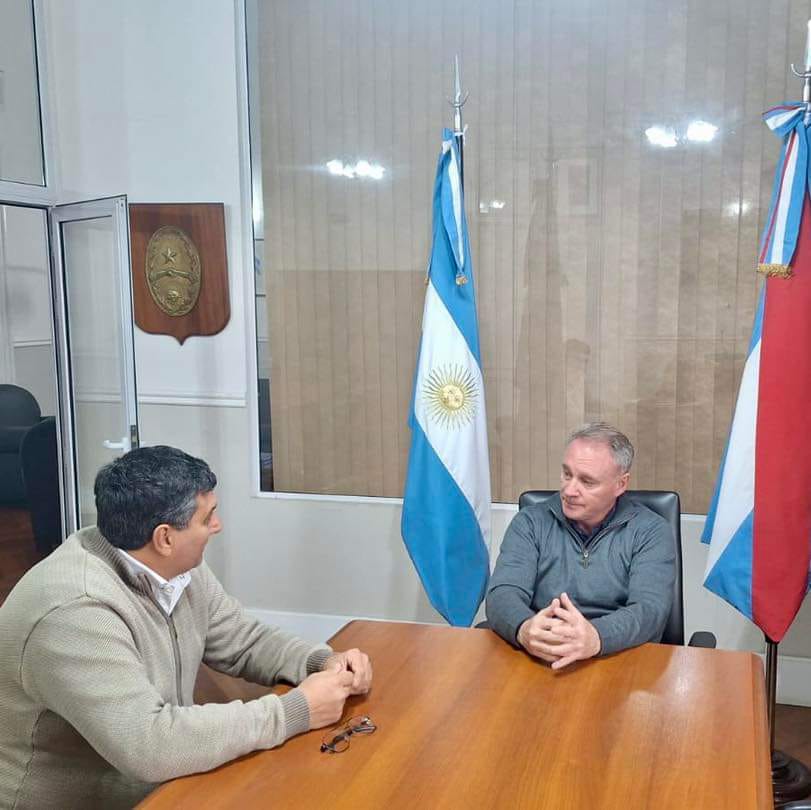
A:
{"points": [[589, 572]]}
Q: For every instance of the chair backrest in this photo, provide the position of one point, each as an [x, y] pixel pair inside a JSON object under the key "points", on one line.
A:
{"points": [[18, 408], [667, 505], [40, 465]]}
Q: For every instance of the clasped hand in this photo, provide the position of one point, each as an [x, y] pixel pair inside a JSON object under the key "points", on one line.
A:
{"points": [[559, 634], [358, 664], [344, 674]]}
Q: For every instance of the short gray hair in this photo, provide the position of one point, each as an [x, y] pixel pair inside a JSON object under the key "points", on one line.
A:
{"points": [[618, 443]]}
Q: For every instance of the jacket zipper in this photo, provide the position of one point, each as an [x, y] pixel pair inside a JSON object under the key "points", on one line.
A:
{"points": [[585, 552], [178, 665], [170, 623]]}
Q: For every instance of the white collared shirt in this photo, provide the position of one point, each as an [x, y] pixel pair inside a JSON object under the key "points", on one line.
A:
{"points": [[167, 592]]}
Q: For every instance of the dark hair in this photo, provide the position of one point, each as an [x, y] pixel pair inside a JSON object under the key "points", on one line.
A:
{"points": [[148, 486]]}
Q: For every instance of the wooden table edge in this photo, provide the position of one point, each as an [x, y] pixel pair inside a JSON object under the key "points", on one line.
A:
{"points": [[340, 630]]}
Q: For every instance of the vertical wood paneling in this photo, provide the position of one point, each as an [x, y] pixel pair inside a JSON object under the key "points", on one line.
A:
{"points": [[616, 283], [338, 398], [609, 82]]}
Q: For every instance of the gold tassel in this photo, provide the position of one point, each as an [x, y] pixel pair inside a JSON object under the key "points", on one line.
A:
{"points": [[778, 270]]}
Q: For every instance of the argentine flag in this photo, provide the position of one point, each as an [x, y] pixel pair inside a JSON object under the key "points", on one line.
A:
{"points": [[446, 504], [759, 522]]}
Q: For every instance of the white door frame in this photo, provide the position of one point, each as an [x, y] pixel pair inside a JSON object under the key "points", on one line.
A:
{"points": [[116, 208]]}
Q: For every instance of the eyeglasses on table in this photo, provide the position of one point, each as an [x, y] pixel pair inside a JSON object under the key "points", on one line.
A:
{"points": [[336, 740]]}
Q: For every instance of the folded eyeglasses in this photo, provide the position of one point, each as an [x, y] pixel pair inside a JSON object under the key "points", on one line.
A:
{"points": [[337, 739]]}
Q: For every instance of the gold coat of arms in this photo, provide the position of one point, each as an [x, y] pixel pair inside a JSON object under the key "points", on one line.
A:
{"points": [[179, 268], [173, 271]]}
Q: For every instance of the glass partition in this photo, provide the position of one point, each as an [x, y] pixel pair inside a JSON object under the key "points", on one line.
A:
{"points": [[21, 152], [617, 177]]}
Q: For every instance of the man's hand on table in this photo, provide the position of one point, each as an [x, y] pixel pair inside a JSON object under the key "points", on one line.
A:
{"points": [[536, 635], [344, 674], [559, 634], [326, 692], [358, 664]]}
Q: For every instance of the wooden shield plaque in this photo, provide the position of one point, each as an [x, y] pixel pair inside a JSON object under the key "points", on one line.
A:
{"points": [[179, 268]]}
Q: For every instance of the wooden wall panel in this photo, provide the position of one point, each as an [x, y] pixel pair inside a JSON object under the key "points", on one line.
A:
{"points": [[617, 282]]}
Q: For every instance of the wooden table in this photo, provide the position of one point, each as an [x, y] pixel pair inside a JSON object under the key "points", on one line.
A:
{"points": [[465, 721]]}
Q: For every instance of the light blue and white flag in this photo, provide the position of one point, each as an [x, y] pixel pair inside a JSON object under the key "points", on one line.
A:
{"points": [[446, 504], [728, 528]]}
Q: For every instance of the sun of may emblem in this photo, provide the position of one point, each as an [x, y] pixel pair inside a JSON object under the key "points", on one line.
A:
{"points": [[450, 394]]}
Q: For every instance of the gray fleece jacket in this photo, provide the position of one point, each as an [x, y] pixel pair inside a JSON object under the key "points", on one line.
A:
{"points": [[626, 591]]}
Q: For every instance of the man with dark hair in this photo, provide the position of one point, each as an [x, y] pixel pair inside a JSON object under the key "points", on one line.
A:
{"points": [[103, 639], [588, 572]]}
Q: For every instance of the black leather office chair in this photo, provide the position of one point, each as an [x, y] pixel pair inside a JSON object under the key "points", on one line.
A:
{"points": [[19, 412], [40, 463], [667, 505]]}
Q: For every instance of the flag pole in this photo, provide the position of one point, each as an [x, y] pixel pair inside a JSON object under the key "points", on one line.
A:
{"points": [[458, 102], [771, 686], [805, 75]]}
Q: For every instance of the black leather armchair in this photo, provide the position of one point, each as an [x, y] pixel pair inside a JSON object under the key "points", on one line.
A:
{"points": [[29, 464], [19, 412], [667, 505], [40, 463]]}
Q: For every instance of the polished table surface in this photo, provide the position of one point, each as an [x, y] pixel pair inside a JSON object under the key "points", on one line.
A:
{"points": [[466, 721]]}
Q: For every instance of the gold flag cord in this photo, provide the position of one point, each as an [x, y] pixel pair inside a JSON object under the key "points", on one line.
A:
{"points": [[777, 270]]}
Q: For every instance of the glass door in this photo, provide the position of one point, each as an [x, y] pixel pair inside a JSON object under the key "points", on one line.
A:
{"points": [[93, 314]]}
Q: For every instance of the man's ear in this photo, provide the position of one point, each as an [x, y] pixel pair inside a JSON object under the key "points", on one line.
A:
{"points": [[161, 540], [622, 484]]}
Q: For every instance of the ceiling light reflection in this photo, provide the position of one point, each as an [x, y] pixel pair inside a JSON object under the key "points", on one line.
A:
{"points": [[701, 131], [737, 208], [363, 168], [485, 206], [661, 136]]}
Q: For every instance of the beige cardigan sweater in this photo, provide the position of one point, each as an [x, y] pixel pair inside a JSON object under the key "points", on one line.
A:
{"points": [[96, 681]]}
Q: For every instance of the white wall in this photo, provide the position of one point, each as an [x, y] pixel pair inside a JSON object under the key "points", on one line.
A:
{"points": [[145, 105], [161, 124]]}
